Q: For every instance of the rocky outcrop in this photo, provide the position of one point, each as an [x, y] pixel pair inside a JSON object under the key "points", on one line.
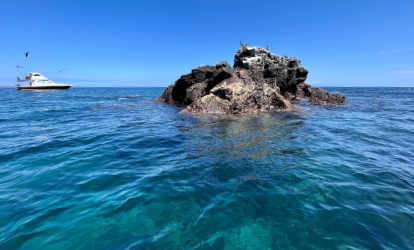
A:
{"points": [[323, 97], [282, 72], [197, 84], [259, 80], [235, 96]]}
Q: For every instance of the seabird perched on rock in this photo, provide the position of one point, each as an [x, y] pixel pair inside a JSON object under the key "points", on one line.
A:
{"points": [[267, 48]]}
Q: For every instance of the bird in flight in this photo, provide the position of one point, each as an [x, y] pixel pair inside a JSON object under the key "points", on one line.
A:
{"points": [[27, 53], [19, 67]]}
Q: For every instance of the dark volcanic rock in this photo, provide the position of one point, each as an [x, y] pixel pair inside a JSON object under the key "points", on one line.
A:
{"points": [[236, 96], [197, 84], [323, 97], [259, 80], [303, 90], [283, 72]]}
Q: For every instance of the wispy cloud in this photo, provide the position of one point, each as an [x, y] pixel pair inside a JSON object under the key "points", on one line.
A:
{"points": [[393, 51], [404, 72]]}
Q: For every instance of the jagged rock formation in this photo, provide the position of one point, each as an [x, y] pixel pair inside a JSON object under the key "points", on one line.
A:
{"points": [[323, 97], [282, 72], [197, 84], [235, 96], [259, 80]]}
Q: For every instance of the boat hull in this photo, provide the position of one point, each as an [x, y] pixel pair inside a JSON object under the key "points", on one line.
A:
{"points": [[42, 87]]}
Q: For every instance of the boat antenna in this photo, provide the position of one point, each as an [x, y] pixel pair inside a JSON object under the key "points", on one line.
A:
{"points": [[18, 69], [62, 70]]}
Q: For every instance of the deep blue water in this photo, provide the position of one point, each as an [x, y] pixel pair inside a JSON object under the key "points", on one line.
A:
{"points": [[86, 169]]}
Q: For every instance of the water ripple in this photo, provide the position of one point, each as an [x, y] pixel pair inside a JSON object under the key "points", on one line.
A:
{"points": [[109, 168]]}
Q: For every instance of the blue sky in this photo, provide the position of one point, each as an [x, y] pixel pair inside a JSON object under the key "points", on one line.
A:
{"points": [[152, 43]]}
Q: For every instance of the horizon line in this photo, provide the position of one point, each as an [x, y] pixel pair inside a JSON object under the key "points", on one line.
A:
{"points": [[84, 87]]}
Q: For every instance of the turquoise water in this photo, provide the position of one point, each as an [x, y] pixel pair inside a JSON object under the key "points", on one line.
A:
{"points": [[108, 168]]}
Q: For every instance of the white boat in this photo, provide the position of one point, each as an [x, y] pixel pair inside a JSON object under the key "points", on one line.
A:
{"points": [[40, 82]]}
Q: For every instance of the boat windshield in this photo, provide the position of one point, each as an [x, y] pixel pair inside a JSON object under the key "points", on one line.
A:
{"points": [[44, 81]]}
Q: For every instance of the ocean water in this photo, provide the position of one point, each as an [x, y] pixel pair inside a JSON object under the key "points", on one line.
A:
{"points": [[108, 168]]}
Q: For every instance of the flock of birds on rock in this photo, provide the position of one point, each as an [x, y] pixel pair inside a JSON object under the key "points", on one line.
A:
{"points": [[245, 45]]}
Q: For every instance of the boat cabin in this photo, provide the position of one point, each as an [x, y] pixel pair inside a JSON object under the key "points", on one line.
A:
{"points": [[40, 82]]}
